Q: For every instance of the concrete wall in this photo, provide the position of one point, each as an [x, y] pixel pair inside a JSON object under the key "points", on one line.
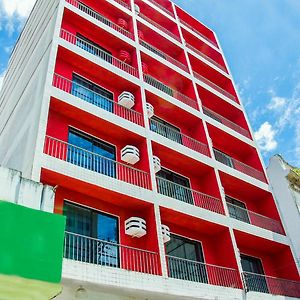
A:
{"points": [[16, 189], [287, 201], [22, 93]]}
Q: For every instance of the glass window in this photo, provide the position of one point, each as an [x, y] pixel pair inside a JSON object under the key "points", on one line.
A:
{"points": [[252, 265], [165, 129], [92, 93], [95, 236], [180, 190], [185, 259], [237, 209], [91, 153], [93, 48]]}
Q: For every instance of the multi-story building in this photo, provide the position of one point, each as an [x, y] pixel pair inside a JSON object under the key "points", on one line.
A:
{"points": [[128, 108]]}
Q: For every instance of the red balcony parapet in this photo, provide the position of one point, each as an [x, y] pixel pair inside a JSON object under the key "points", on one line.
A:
{"points": [[95, 162]]}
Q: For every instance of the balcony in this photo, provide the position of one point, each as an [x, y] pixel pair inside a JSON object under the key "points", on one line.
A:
{"points": [[99, 53], [87, 10], [239, 166], [217, 117], [215, 87], [178, 137], [171, 92], [200, 53], [95, 162], [253, 218], [187, 195], [161, 28], [271, 285], [190, 270], [164, 56], [199, 33], [98, 100], [106, 254], [123, 3], [162, 8]]}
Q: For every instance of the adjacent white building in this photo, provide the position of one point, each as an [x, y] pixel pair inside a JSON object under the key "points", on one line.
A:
{"points": [[285, 183]]}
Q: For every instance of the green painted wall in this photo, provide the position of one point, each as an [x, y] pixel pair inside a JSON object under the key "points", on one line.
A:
{"points": [[31, 244]]}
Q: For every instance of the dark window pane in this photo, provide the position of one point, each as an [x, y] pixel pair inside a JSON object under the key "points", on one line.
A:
{"points": [[92, 153]]}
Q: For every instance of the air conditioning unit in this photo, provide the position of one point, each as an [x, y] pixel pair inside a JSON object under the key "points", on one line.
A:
{"points": [[130, 154], [126, 99], [150, 110], [137, 9], [125, 56], [165, 231], [122, 23], [135, 227], [156, 164]]}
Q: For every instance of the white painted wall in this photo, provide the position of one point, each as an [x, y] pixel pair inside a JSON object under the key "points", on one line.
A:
{"points": [[16, 189], [287, 200], [23, 89]]}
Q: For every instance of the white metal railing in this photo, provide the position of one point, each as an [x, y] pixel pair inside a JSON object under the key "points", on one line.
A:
{"points": [[200, 53], [91, 48], [84, 8], [123, 3], [239, 166], [95, 162], [215, 86], [253, 218], [187, 195], [96, 99], [200, 272], [164, 55], [162, 8], [271, 285], [163, 29], [178, 137], [94, 251], [173, 93], [226, 122], [199, 33]]}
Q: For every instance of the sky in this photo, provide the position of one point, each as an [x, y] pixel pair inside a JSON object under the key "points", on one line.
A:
{"points": [[261, 42]]}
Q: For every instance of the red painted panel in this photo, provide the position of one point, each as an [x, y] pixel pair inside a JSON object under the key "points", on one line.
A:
{"points": [[63, 116], [276, 258]]}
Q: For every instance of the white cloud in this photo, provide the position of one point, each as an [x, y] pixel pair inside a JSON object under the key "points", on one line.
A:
{"points": [[21, 8], [276, 103], [265, 137]]}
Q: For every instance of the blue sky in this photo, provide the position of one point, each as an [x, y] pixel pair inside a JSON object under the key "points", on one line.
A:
{"points": [[261, 41]]}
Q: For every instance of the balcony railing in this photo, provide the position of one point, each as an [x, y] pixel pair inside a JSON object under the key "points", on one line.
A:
{"points": [[164, 55], [271, 285], [239, 166], [178, 137], [187, 195], [199, 33], [206, 57], [226, 122], [173, 93], [107, 254], [123, 3], [190, 270], [162, 8], [253, 218], [95, 162], [96, 99], [103, 55], [163, 29], [84, 8], [215, 87]]}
